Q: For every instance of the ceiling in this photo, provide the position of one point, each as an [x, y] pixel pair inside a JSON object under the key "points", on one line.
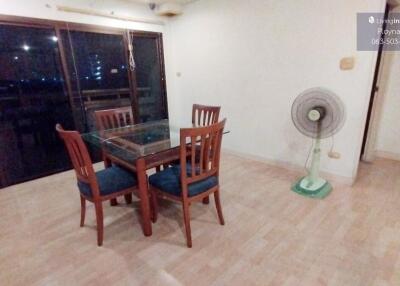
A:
{"points": [[162, 1]]}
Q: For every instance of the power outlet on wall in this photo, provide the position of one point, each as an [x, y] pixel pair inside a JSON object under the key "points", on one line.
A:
{"points": [[334, 155]]}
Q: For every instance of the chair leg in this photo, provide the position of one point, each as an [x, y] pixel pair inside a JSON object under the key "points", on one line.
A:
{"points": [[154, 206], [206, 200], [113, 202], [128, 198], [218, 206], [99, 220], [107, 162], [83, 210], [186, 218]]}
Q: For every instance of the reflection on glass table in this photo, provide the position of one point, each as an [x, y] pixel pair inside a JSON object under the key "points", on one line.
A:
{"points": [[131, 142]]}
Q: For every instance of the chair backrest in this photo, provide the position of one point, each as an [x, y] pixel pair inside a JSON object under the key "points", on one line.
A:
{"points": [[113, 118], [200, 150], [80, 158], [203, 115]]}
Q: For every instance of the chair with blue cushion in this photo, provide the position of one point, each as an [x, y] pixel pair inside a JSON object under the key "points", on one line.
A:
{"points": [[197, 175], [204, 115], [110, 119], [95, 187]]}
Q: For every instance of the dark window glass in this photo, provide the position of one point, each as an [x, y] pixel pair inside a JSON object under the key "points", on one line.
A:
{"points": [[151, 96], [99, 58], [32, 101], [97, 66], [38, 90]]}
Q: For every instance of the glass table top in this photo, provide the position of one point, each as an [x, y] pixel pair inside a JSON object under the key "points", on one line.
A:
{"points": [[131, 142], [134, 141]]}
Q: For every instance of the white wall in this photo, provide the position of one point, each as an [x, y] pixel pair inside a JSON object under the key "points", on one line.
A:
{"points": [[253, 57], [388, 135]]}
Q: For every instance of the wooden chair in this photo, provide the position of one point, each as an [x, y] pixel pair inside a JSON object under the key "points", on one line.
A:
{"points": [[196, 177], [95, 187], [110, 119], [114, 118], [204, 115]]}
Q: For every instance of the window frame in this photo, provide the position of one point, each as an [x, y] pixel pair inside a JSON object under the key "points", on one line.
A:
{"points": [[64, 25]]}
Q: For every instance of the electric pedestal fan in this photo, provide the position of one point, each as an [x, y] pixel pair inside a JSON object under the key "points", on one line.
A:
{"points": [[317, 113]]}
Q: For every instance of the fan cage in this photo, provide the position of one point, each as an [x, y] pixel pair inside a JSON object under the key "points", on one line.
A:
{"points": [[333, 119]]}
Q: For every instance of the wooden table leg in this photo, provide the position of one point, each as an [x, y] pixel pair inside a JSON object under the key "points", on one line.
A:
{"points": [[144, 196]]}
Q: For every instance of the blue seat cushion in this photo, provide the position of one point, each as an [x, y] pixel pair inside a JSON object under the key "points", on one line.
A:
{"points": [[169, 181], [110, 180]]}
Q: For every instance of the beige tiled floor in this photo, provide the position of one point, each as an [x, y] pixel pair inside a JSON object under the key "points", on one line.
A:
{"points": [[272, 236]]}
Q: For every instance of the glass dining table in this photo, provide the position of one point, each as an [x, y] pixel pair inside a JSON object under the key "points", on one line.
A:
{"points": [[139, 148]]}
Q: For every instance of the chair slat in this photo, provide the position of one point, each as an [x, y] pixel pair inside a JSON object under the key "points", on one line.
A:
{"points": [[193, 154], [208, 151], [202, 159]]}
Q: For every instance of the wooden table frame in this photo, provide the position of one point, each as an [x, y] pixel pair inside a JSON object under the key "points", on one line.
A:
{"points": [[140, 167]]}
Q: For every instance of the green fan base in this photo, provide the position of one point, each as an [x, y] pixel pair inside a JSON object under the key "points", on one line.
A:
{"points": [[320, 190]]}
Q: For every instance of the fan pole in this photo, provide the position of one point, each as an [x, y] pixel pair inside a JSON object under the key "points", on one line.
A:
{"points": [[315, 162]]}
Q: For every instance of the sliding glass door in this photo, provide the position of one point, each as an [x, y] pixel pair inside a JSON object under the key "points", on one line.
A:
{"points": [[97, 69], [33, 99], [53, 72], [149, 76], [101, 76]]}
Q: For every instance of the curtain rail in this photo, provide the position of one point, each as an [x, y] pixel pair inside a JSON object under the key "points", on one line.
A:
{"points": [[106, 15]]}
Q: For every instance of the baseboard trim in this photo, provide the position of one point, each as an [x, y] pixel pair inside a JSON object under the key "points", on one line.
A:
{"points": [[387, 155], [336, 179]]}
